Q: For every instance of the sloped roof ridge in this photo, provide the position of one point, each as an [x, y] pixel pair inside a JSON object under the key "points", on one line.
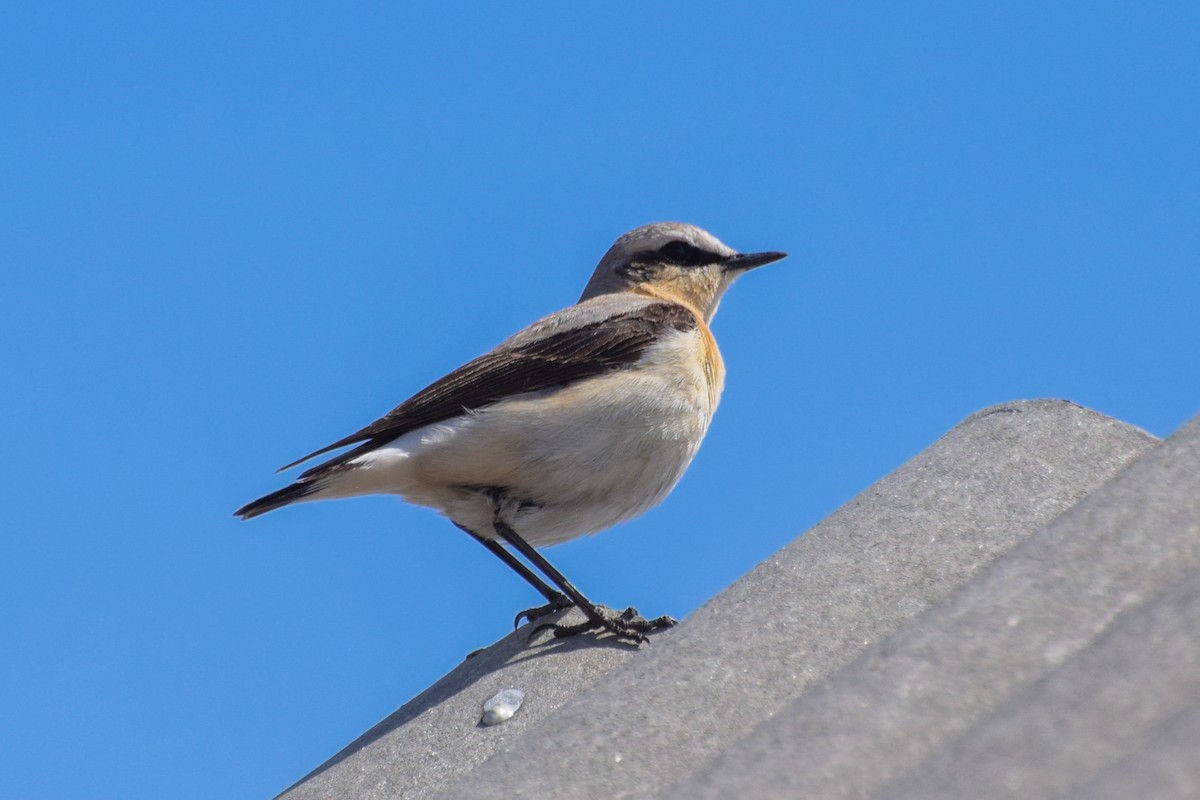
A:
{"points": [[910, 697], [880, 560], [600, 720]]}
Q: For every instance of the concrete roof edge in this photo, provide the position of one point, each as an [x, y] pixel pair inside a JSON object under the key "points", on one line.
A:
{"points": [[1055, 450], [875, 563]]}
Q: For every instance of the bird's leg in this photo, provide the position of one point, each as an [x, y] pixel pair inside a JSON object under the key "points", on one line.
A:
{"points": [[625, 625], [557, 600]]}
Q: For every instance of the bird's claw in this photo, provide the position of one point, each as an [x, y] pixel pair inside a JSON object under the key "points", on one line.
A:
{"points": [[557, 603], [627, 624]]}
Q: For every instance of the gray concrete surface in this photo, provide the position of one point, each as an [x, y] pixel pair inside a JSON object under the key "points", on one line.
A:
{"points": [[436, 736], [1016, 622], [602, 720], [1161, 764], [1092, 721], [881, 560]]}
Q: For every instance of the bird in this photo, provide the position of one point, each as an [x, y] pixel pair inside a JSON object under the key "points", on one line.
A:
{"points": [[584, 419]]}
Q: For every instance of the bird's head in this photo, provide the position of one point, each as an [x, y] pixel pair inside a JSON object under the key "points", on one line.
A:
{"points": [[676, 262]]}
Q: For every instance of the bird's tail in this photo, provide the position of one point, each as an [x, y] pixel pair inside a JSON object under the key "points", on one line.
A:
{"points": [[285, 496]]}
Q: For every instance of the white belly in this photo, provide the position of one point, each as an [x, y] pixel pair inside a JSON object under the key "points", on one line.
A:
{"points": [[571, 461]]}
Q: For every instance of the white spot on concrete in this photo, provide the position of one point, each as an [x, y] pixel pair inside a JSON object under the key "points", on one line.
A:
{"points": [[502, 706]]}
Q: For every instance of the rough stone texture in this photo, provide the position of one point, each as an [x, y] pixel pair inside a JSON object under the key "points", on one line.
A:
{"points": [[1026, 614], [436, 736], [812, 608], [601, 720], [1108, 709], [1161, 764]]}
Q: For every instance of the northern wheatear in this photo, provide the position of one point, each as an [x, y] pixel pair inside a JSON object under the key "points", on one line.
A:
{"points": [[584, 419]]}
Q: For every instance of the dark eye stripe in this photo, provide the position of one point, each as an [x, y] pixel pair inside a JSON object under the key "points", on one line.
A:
{"points": [[685, 254], [645, 265]]}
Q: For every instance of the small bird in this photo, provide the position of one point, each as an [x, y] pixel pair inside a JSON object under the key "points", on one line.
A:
{"points": [[586, 418]]}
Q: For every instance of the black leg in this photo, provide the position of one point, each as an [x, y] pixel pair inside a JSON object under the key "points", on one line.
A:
{"points": [[626, 625], [556, 601]]}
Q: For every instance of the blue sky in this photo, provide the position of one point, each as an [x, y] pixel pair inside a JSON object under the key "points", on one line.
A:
{"points": [[231, 234]]}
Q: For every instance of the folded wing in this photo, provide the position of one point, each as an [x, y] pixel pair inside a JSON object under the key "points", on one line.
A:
{"points": [[557, 351]]}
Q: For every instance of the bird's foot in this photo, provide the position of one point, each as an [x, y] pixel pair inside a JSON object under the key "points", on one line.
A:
{"points": [[557, 603], [627, 624]]}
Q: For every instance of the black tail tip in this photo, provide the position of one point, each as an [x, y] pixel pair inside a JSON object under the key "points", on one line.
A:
{"points": [[250, 510], [278, 499]]}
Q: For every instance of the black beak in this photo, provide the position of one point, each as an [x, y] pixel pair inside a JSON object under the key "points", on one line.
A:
{"points": [[745, 261]]}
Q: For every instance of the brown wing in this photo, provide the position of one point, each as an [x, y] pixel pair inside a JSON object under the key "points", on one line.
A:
{"points": [[557, 359]]}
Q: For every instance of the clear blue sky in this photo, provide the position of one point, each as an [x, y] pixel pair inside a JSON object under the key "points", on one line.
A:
{"points": [[231, 234]]}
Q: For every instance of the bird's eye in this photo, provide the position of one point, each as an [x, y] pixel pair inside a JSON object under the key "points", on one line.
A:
{"points": [[679, 252]]}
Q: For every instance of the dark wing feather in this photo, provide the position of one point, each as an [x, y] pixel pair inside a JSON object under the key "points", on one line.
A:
{"points": [[557, 359]]}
